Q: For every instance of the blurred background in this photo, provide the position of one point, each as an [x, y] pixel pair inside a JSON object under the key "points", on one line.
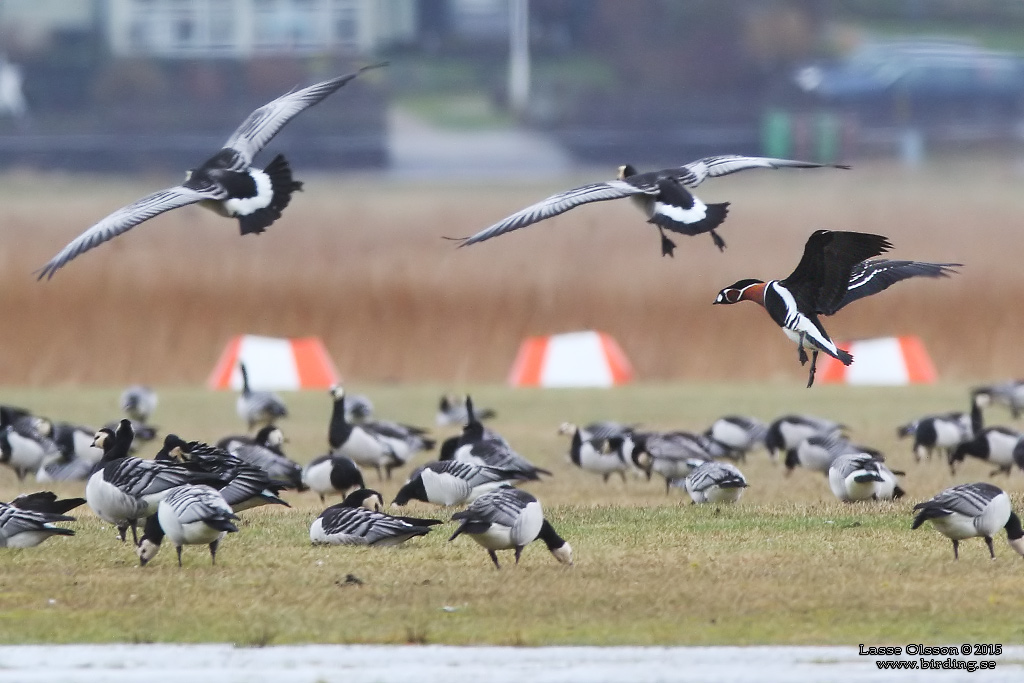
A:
{"points": [[486, 107]]}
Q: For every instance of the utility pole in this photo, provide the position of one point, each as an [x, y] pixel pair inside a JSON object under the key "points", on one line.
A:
{"points": [[519, 56]]}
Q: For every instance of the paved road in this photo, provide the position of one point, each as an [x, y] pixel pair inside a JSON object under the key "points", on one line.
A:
{"points": [[441, 664]]}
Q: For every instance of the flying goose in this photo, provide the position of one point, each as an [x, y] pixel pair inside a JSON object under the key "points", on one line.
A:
{"points": [[661, 195], [715, 482], [862, 476], [971, 510], [357, 520], [508, 518], [192, 514], [226, 183]]}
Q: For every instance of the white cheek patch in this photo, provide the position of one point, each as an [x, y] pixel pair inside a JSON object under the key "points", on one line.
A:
{"points": [[261, 200], [694, 214]]}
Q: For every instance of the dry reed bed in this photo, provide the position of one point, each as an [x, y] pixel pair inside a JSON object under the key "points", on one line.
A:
{"points": [[360, 262]]}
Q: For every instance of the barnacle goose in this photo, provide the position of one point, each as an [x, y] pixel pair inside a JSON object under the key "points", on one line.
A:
{"points": [[76, 458], [994, 444], [715, 482], [786, 432], [673, 455], [358, 408], [46, 501], [265, 452], [816, 453], [25, 444], [451, 482], [590, 458], [1009, 394], [125, 489], [330, 474], [358, 520], [138, 402], [27, 528], [241, 484], [476, 447], [937, 432], [381, 445], [738, 434], [598, 433], [862, 476], [508, 518], [226, 183], [971, 510], [258, 408], [452, 411], [192, 514]]}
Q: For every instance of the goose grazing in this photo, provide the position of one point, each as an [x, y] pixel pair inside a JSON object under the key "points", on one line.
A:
{"points": [[125, 489], [193, 514], [586, 455], [452, 411], [25, 444], [450, 482], [264, 452], [27, 528], [817, 453], [861, 476], [241, 484], [715, 482], [508, 518], [332, 474], [226, 183], [357, 520], [476, 447], [788, 431], [258, 408], [661, 195], [380, 445], [971, 510], [358, 408], [738, 434], [673, 455], [1009, 394], [598, 433], [993, 444], [937, 432], [138, 402]]}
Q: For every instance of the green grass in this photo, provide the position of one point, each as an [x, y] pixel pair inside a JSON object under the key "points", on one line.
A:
{"points": [[787, 565]]}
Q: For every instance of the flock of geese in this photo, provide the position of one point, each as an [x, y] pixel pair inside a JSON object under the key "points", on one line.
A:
{"points": [[192, 492]]}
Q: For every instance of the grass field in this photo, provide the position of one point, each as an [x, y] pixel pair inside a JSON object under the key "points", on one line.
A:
{"points": [[787, 565]]}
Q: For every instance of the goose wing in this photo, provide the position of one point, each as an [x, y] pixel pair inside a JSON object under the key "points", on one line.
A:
{"points": [[557, 204], [871, 277], [264, 123], [966, 499], [502, 506], [359, 526], [822, 278], [126, 218], [695, 172]]}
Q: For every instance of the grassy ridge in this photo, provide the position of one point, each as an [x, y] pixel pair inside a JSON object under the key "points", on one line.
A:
{"points": [[786, 565]]}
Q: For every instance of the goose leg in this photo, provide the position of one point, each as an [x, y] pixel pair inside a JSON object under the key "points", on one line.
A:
{"points": [[667, 245], [213, 551], [135, 534], [991, 550], [494, 558], [800, 353], [519, 551], [123, 531], [178, 548], [717, 239], [956, 550], [814, 363]]}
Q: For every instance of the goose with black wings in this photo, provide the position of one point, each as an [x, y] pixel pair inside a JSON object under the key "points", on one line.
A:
{"points": [[834, 272]]}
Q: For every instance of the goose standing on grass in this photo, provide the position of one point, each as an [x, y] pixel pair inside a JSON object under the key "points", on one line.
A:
{"points": [[817, 453], [143, 433], [475, 446], [1009, 394], [715, 482], [861, 476], [788, 431], [332, 474], [506, 519], [357, 520], [598, 433], [673, 455], [125, 489], [226, 183], [992, 444], [264, 451], [358, 408], [193, 514], [661, 195], [76, 458], [452, 411], [971, 510], [138, 402], [937, 432], [258, 408], [738, 434], [588, 457], [450, 482], [833, 272], [25, 445]]}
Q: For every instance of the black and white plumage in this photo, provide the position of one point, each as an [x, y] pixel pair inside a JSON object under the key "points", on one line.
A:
{"points": [[661, 195], [258, 408], [833, 272], [138, 402], [785, 433], [77, 456], [188, 515], [816, 453], [598, 433], [479, 446], [937, 432], [125, 489], [382, 445], [673, 455], [264, 452], [995, 445], [451, 410], [1009, 394], [358, 408], [451, 482], [506, 519], [143, 433], [25, 444], [862, 476], [358, 520], [715, 482], [46, 501], [738, 434], [226, 183], [332, 474], [27, 528], [971, 510], [589, 457]]}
